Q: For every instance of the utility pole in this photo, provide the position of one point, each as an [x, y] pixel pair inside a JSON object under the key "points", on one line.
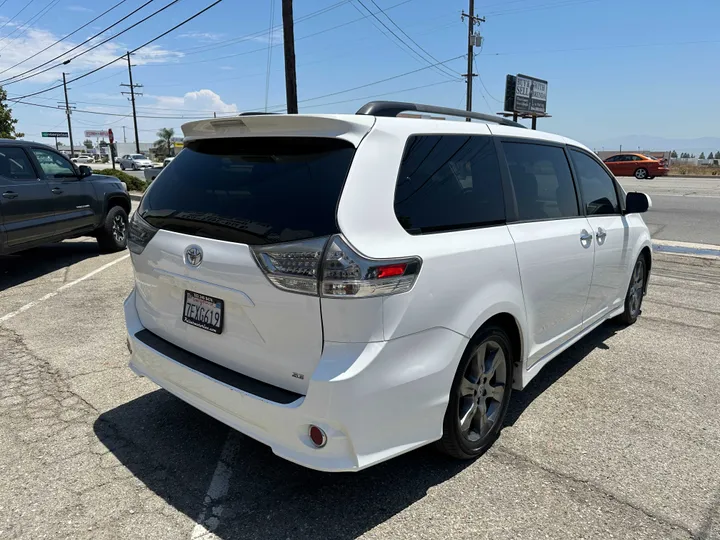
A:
{"points": [[67, 113], [289, 46], [132, 99], [472, 20], [124, 137]]}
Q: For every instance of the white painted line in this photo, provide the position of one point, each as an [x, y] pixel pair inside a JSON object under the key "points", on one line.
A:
{"points": [[689, 245], [209, 518], [34, 303]]}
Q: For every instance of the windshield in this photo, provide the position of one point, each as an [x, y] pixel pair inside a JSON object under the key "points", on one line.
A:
{"points": [[138, 156], [251, 190]]}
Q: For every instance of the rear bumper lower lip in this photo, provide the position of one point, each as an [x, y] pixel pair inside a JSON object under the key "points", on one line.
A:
{"points": [[390, 405]]}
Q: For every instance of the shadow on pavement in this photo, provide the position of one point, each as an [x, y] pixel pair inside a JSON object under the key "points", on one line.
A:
{"points": [[558, 367], [174, 450], [28, 265]]}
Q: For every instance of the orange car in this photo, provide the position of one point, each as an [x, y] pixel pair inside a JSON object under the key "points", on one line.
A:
{"points": [[638, 165]]}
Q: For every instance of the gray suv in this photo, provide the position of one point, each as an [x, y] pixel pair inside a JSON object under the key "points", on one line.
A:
{"points": [[44, 197]]}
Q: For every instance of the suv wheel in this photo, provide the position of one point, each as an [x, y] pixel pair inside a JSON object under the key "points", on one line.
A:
{"points": [[480, 395], [636, 290], [112, 235], [641, 173]]}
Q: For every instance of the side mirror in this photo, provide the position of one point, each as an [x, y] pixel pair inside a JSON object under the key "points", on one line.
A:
{"points": [[637, 203], [85, 171]]}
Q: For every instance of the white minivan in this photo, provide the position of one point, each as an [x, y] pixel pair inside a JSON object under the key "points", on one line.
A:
{"points": [[346, 288]]}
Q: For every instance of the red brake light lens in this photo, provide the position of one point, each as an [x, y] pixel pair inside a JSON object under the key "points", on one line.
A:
{"points": [[391, 270]]}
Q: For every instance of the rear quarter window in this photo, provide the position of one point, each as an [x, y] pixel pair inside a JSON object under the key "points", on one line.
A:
{"points": [[449, 182], [251, 190]]}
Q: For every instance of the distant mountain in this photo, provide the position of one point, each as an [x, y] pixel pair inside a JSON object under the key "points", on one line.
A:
{"points": [[650, 142]]}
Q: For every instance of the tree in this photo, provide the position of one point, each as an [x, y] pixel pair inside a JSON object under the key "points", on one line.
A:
{"points": [[164, 143], [710, 156], [88, 144], [702, 155], [673, 154], [7, 122]]}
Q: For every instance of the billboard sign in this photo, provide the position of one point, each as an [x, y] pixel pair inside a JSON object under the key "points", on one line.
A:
{"points": [[524, 94], [55, 134], [89, 133]]}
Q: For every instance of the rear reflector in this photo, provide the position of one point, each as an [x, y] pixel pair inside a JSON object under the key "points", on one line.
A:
{"points": [[317, 436], [391, 270]]}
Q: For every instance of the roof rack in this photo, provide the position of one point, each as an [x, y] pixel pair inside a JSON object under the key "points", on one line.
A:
{"points": [[394, 108]]}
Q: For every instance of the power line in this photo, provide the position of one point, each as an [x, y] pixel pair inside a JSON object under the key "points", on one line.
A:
{"points": [[452, 73], [64, 38], [263, 48], [35, 18], [123, 56], [248, 37], [380, 95], [271, 34], [94, 46], [15, 16], [407, 48]]}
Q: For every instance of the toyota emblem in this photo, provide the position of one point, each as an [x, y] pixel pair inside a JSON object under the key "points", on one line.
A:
{"points": [[193, 255]]}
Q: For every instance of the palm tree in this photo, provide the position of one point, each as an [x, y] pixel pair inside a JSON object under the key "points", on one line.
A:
{"points": [[164, 141]]}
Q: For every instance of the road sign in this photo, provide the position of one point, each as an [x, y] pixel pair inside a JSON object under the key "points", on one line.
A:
{"points": [[111, 136], [525, 94], [55, 134], [89, 133]]}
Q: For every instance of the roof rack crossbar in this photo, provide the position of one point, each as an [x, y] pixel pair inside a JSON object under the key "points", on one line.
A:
{"points": [[394, 108]]}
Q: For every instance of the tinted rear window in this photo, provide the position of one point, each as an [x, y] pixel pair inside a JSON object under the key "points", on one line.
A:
{"points": [[449, 182], [251, 190]]}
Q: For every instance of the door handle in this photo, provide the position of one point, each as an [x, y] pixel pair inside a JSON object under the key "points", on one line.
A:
{"points": [[585, 238], [601, 234], [10, 195], [56, 190]]}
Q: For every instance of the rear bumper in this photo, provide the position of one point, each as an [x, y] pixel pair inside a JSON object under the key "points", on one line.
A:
{"points": [[374, 400]]}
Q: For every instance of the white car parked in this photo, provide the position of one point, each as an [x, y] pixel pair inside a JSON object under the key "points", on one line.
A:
{"points": [[134, 162], [346, 288], [83, 158]]}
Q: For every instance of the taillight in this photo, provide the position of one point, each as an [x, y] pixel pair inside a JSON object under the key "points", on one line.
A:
{"points": [[346, 273], [140, 232], [293, 266], [330, 267]]}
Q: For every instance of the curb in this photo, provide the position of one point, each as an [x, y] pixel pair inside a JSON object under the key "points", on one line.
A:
{"points": [[135, 195], [687, 249]]}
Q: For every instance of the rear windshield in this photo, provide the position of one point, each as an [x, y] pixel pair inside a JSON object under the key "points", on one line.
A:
{"points": [[251, 190]]}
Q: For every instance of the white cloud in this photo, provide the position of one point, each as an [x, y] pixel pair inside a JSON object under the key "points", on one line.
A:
{"points": [[207, 37], [37, 39], [201, 102], [277, 37], [79, 9]]}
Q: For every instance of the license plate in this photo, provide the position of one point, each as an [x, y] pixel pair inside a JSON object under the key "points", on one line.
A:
{"points": [[203, 311]]}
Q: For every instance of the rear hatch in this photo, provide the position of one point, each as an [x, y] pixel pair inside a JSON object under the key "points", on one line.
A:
{"points": [[198, 281]]}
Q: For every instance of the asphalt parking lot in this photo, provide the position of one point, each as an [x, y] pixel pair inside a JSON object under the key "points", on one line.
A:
{"points": [[619, 437]]}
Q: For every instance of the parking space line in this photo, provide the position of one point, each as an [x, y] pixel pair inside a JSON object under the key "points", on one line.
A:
{"points": [[209, 518], [34, 303]]}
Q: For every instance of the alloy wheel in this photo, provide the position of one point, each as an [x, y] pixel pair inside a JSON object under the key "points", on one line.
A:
{"points": [[482, 389], [637, 286], [640, 174], [118, 229]]}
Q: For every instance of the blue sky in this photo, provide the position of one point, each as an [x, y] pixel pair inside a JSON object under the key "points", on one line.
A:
{"points": [[614, 67]]}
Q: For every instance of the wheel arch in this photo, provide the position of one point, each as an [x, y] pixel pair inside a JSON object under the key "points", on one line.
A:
{"points": [[118, 200], [512, 325]]}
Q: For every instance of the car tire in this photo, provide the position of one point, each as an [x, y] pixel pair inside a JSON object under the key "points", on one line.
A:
{"points": [[476, 408], [635, 292], [112, 235], [641, 173], [122, 167]]}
